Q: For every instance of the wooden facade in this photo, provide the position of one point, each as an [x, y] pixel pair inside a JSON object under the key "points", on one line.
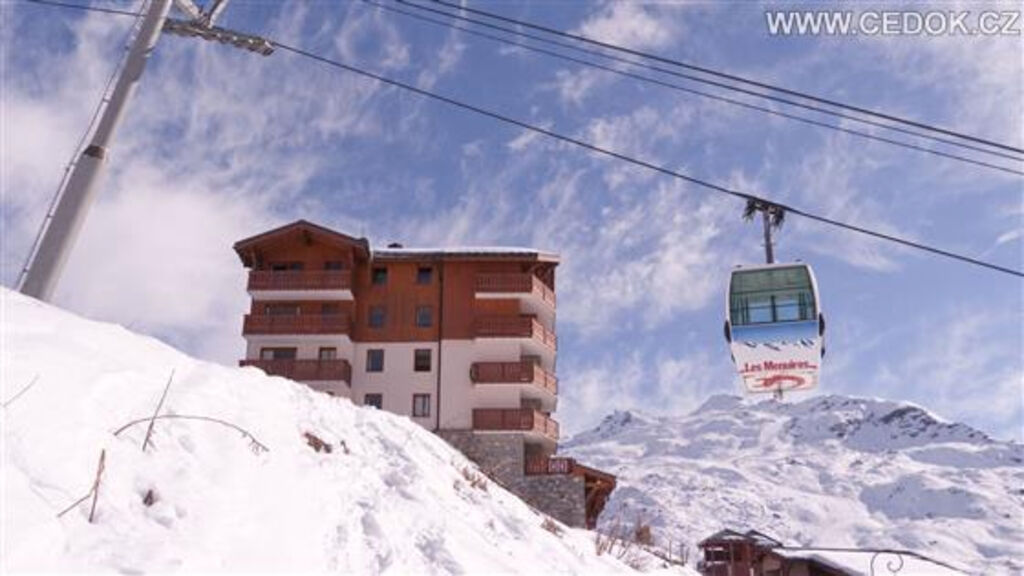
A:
{"points": [[456, 339]]}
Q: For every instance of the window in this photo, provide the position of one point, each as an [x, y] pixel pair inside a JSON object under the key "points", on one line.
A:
{"points": [[421, 360], [378, 316], [281, 309], [772, 295], [374, 401], [424, 316], [379, 276], [277, 353], [334, 265], [329, 308], [424, 275], [420, 405], [328, 354], [375, 360], [283, 266]]}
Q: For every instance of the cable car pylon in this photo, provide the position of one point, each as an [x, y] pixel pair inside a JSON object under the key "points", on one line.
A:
{"points": [[774, 325], [64, 220]]}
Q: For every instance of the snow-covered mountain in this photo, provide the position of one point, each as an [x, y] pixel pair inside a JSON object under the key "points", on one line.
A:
{"points": [[388, 497], [827, 471]]}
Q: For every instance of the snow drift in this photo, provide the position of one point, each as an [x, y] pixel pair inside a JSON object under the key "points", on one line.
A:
{"points": [[388, 497], [827, 471]]}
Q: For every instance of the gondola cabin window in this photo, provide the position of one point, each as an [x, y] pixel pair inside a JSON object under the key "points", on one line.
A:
{"points": [[773, 295]]}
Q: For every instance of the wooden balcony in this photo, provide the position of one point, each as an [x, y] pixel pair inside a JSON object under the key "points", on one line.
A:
{"points": [[300, 324], [550, 466], [300, 284], [515, 420], [524, 372], [519, 284], [515, 327], [305, 370]]}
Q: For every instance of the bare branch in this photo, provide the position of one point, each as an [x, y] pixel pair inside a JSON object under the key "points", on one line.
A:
{"points": [[257, 446], [96, 484], [149, 431], [20, 392], [94, 491]]}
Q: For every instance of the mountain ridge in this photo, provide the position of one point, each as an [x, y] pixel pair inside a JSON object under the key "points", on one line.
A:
{"points": [[829, 470]]}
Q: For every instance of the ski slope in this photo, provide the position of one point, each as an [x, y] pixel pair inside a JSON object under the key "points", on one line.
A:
{"points": [[830, 471], [390, 497]]}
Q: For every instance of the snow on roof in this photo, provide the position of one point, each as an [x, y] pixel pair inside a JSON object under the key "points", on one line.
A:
{"points": [[865, 562], [466, 251]]}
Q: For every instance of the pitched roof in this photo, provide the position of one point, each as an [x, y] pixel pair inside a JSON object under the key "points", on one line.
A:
{"points": [[869, 561], [244, 247], [465, 253], [725, 534]]}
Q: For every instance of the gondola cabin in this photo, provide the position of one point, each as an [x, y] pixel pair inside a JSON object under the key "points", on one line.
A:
{"points": [[775, 327]]}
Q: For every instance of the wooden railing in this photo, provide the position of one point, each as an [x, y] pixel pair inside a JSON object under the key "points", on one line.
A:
{"points": [[300, 280], [305, 370], [514, 419], [514, 283], [522, 326], [550, 466], [297, 324], [525, 372]]}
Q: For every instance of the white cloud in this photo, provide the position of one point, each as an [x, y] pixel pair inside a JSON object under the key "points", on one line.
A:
{"points": [[573, 88], [831, 183], [631, 25], [369, 35], [646, 261], [644, 133], [207, 154], [448, 57], [959, 370], [666, 385], [627, 24]]}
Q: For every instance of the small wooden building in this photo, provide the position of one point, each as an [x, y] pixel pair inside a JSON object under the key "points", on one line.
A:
{"points": [[752, 553]]}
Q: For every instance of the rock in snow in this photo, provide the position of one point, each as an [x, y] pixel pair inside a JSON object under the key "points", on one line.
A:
{"points": [[388, 497], [827, 471]]}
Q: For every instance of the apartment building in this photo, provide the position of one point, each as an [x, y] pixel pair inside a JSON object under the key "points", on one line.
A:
{"points": [[460, 340]]}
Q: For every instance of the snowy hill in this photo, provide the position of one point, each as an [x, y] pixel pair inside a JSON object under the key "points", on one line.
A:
{"points": [[827, 471], [388, 497]]}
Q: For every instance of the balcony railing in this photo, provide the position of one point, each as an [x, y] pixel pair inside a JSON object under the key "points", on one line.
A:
{"points": [[516, 284], [305, 370], [300, 280], [514, 420], [524, 372], [550, 466], [515, 327], [556, 465], [297, 324]]}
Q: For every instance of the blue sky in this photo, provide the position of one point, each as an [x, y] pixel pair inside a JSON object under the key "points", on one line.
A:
{"points": [[219, 144]]}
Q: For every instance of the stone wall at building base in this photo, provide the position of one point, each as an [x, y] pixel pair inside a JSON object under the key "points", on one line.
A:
{"points": [[501, 456]]}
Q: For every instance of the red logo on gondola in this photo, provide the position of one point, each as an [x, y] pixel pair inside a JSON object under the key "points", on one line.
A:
{"points": [[777, 381]]}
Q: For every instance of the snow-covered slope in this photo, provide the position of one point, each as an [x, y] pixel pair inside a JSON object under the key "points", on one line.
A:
{"points": [[389, 497], [827, 471]]}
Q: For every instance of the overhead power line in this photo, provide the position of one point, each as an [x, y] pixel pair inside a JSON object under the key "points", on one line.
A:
{"points": [[629, 159], [642, 163], [82, 7], [727, 76], [675, 86], [717, 84], [716, 97]]}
